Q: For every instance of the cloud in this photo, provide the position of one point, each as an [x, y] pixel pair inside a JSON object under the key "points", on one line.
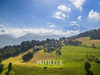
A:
{"points": [[78, 3], [1, 25], [93, 15], [52, 26], [17, 32], [59, 15], [79, 18], [99, 2], [64, 8], [74, 23]]}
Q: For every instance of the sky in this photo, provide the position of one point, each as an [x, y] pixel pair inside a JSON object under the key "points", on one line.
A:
{"points": [[19, 17]]}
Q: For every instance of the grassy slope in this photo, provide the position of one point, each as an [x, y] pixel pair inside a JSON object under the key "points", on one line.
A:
{"points": [[86, 41], [73, 62], [17, 60], [75, 57], [37, 56]]}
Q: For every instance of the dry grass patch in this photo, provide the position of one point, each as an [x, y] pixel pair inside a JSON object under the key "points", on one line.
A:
{"points": [[37, 56], [89, 42]]}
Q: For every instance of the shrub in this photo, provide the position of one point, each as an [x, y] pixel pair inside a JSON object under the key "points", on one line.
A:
{"points": [[93, 45], [0, 59], [1, 68], [10, 66], [27, 56], [87, 66], [58, 52]]}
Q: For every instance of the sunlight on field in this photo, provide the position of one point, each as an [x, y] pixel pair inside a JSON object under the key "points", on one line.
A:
{"points": [[73, 59], [37, 56], [88, 42], [17, 59]]}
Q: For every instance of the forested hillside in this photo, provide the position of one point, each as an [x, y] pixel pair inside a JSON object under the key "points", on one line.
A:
{"points": [[93, 34]]}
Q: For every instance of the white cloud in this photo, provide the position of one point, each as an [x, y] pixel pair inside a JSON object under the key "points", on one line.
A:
{"points": [[52, 26], [63, 15], [1, 25], [59, 15], [93, 15], [79, 18], [99, 2], [64, 8], [74, 23], [78, 3], [17, 32]]}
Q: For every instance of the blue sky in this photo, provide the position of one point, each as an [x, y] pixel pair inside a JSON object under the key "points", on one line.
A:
{"points": [[47, 16]]}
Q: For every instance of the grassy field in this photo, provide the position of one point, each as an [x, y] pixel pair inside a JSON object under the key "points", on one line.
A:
{"points": [[37, 56], [73, 59], [86, 41]]}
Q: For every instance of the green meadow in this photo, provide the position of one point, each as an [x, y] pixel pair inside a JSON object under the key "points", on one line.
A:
{"points": [[72, 57]]}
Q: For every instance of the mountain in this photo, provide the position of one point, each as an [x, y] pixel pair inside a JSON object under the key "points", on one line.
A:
{"points": [[8, 40], [31, 36], [74, 28]]}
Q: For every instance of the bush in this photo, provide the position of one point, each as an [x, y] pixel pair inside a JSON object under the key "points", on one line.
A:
{"points": [[27, 56], [91, 58], [58, 52], [1, 68], [89, 73], [87, 66], [93, 45], [0, 59], [10, 66]]}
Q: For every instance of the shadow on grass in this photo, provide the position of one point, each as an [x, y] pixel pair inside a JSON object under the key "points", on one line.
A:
{"points": [[26, 60], [7, 73]]}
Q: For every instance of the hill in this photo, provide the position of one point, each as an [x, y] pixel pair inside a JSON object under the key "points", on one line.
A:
{"points": [[87, 42], [17, 60], [73, 63], [93, 34], [6, 40], [70, 51]]}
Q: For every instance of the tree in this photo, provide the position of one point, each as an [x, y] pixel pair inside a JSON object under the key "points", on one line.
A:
{"points": [[93, 45], [0, 59], [10, 66], [89, 72], [58, 52], [27, 56], [1, 68], [87, 66]]}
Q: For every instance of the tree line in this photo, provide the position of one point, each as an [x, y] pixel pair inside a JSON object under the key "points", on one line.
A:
{"points": [[10, 51], [93, 34], [49, 45]]}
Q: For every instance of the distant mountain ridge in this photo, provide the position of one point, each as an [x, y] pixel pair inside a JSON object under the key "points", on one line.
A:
{"points": [[8, 40]]}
